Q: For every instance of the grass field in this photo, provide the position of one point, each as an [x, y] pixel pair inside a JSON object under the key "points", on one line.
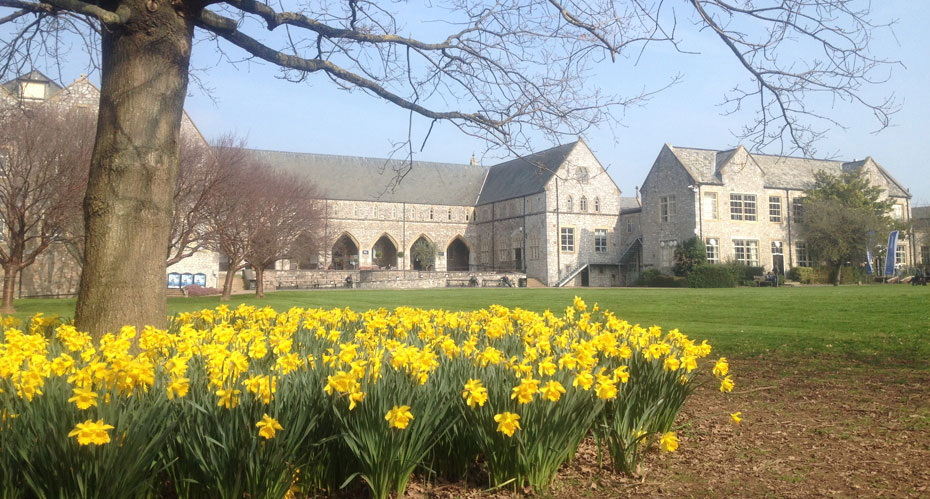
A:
{"points": [[871, 324]]}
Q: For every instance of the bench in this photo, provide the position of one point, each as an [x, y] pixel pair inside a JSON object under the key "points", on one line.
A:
{"points": [[457, 283], [762, 280]]}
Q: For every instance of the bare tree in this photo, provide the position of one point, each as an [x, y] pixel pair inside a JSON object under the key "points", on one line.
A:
{"points": [[44, 159], [226, 211], [283, 209], [199, 174], [493, 69]]}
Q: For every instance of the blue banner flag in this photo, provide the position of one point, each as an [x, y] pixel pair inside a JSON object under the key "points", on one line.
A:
{"points": [[892, 251], [868, 260]]}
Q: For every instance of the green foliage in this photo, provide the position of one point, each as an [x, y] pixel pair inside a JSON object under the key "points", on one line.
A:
{"points": [[711, 276], [688, 255], [424, 252], [842, 216], [654, 278], [827, 275]]}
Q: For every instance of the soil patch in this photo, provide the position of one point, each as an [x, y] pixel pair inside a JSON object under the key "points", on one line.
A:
{"points": [[810, 428]]}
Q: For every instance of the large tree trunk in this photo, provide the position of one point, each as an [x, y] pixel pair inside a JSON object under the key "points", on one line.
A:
{"points": [[228, 282], [9, 284], [128, 204], [259, 281], [839, 274]]}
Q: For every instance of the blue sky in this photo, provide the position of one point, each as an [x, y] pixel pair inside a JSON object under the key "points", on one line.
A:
{"points": [[316, 117]]}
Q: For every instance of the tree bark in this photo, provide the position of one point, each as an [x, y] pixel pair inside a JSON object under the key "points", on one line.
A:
{"points": [[259, 281], [128, 204], [9, 284], [228, 282], [839, 274]]}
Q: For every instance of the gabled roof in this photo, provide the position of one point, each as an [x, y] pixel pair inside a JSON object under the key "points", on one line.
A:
{"points": [[628, 203], [12, 86], [780, 172], [374, 179], [524, 175]]}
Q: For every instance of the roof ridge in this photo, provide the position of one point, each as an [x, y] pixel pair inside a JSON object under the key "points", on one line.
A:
{"points": [[330, 155]]}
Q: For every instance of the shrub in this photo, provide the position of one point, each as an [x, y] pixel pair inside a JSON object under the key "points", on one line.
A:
{"points": [[654, 278], [827, 275], [711, 276], [688, 255]]}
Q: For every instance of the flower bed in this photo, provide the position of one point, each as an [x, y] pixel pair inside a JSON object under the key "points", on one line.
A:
{"points": [[250, 401]]}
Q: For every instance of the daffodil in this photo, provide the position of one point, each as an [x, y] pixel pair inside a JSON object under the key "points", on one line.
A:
{"points": [[552, 391], [507, 423], [475, 393], [736, 417], [91, 433], [399, 417], [84, 398], [268, 426], [726, 384], [669, 442]]}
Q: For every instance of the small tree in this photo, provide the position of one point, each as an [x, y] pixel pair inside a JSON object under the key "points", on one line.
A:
{"points": [[281, 210], [424, 252], [44, 160], [688, 255], [840, 212]]}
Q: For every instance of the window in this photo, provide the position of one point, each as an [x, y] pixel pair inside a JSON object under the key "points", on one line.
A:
{"points": [[797, 207], [33, 90], [449, 215], [629, 225], [667, 208], [712, 246], [533, 243], [597, 205], [335, 210], [356, 210], [897, 211], [667, 253], [569, 202], [582, 175], [746, 252], [374, 211], [743, 207], [583, 204], [430, 213], [710, 206], [485, 251], [567, 239], [467, 214], [777, 248], [774, 209], [394, 212], [503, 251], [900, 257], [925, 255], [804, 257], [600, 240]]}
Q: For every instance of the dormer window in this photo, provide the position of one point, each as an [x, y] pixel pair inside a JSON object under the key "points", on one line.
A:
{"points": [[32, 90]]}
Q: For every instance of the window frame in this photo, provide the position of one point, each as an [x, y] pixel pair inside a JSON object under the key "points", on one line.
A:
{"points": [[602, 238], [668, 208], [743, 207], [713, 256], [714, 212], [567, 239], [750, 252], [775, 211]]}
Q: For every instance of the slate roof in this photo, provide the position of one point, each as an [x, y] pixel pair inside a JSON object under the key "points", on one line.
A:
{"points": [[781, 172], [921, 212], [523, 176], [374, 179], [629, 204]]}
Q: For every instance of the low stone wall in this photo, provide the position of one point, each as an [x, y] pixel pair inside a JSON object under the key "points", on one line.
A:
{"points": [[380, 279]]}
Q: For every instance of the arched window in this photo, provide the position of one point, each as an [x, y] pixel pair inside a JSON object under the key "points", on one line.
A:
{"points": [[449, 215], [374, 211], [356, 210], [582, 175], [430, 213], [569, 203], [597, 204], [583, 204]]}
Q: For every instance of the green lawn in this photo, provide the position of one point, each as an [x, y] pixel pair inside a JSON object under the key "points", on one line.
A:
{"points": [[874, 324]]}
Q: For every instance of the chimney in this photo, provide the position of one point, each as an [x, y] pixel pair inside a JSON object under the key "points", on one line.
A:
{"points": [[637, 196], [473, 162]]}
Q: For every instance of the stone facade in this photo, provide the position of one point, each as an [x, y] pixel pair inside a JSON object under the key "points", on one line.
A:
{"points": [[741, 205]]}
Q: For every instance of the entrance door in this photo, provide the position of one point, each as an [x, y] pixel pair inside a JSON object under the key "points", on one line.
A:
{"points": [[778, 257], [585, 278], [518, 258]]}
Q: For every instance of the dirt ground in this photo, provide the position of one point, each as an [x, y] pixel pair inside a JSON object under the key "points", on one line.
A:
{"points": [[814, 428]]}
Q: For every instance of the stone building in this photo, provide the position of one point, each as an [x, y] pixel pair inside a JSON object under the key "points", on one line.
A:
{"points": [[56, 272], [743, 206], [552, 215], [921, 219]]}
